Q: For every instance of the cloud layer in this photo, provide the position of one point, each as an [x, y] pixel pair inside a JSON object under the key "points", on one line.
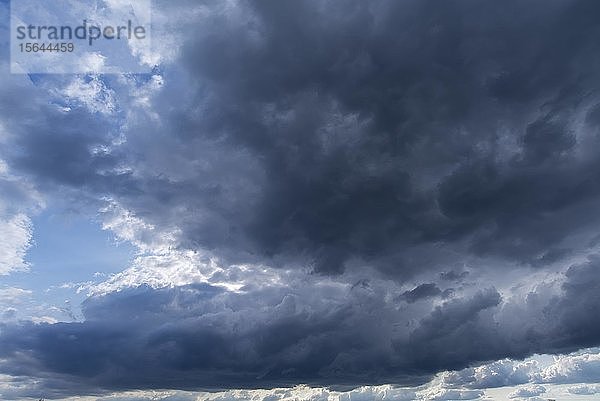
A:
{"points": [[319, 333]]}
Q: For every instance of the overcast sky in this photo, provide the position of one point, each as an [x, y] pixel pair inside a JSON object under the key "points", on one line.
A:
{"points": [[309, 200]]}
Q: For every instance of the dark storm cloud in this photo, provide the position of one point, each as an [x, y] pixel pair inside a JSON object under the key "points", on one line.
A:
{"points": [[421, 292], [56, 147], [453, 275], [401, 135], [365, 130], [200, 336], [357, 111]]}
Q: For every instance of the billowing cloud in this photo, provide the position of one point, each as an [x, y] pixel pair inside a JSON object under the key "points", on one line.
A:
{"points": [[500, 373], [334, 141], [573, 369], [206, 336]]}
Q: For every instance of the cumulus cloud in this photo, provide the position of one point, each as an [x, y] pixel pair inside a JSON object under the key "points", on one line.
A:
{"points": [[528, 391], [583, 368], [500, 373], [577, 367]]}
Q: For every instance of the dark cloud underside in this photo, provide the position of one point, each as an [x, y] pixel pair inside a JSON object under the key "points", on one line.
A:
{"points": [[199, 336]]}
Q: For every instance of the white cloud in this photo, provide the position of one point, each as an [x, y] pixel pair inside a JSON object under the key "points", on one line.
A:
{"points": [[582, 368], [366, 393], [440, 393], [43, 319], [577, 368], [529, 391], [12, 295], [16, 234], [92, 93], [584, 389], [500, 373], [167, 269], [18, 200], [378, 393], [128, 227]]}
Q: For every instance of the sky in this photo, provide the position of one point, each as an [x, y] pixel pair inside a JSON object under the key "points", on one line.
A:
{"points": [[308, 200]]}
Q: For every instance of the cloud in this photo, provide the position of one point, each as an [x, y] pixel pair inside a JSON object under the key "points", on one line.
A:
{"points": [[583, 389], [577, 367], [12, 295], [206, 336], [213, 338], [343, 161], [352, 145], [421, 292], [92, 93], [17, 201], [443, 394], [529, 391], [16, 234], [500, 373], [573, 369], [303, 182]]}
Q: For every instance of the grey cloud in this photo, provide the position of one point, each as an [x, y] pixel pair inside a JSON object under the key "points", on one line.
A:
{"points": [[402, 136], [458, 323], [206, 339], [581, 296], [421, 292], [453, 275], [347, 119], [336, 192], [202, 337]]}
